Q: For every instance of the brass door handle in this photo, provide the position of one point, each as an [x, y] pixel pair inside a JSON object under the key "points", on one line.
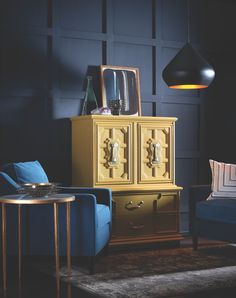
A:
{"points": [[129, 206], [156, 158], [114, 149], [154, 153]]}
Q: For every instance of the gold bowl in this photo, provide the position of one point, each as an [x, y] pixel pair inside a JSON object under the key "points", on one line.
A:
{"points": [[38, 189]]}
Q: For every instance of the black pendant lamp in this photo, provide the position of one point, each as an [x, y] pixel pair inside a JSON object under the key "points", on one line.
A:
{"points": [[188, 70]]}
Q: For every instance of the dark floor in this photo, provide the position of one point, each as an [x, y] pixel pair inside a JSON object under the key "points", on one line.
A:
{"points": [[38, 285]]}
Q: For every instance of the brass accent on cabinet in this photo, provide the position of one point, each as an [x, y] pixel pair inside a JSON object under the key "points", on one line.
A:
{"points": [[111, 151], [154, 154], [129, 206]]}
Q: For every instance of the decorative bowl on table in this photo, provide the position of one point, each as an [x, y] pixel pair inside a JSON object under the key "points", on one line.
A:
{"points": [[38, 189]]}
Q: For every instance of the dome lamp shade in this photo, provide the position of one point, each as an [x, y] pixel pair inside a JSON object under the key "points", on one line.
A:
{"points": [[188, 70]]}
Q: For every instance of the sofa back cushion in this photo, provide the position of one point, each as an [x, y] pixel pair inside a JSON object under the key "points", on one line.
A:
{"points": [[223, 180], [26, 172]]}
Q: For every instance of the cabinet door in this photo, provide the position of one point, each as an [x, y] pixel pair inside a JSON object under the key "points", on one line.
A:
{"points": [[113, 153], [156, 154]]}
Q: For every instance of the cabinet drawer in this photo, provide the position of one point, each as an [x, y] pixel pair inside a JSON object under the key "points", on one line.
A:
{"points": [[133, 225], [146, 203], [146, 224], [134, 204]]}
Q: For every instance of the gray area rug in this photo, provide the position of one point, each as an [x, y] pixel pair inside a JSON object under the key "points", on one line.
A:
{"points": [[157, 273]]}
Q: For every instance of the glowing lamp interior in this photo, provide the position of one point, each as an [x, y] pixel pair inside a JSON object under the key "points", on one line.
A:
{"points": [[188, 86]]}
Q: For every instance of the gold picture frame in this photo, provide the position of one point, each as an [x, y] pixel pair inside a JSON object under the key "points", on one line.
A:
{"points": [[121, 89]]}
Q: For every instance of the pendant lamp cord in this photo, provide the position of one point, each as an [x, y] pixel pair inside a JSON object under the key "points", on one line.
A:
{"points": [[188, 19]]}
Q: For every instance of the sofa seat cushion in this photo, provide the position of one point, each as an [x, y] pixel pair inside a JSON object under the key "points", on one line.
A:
{"points": [[26, 172], [103, 215], [221, 210]]}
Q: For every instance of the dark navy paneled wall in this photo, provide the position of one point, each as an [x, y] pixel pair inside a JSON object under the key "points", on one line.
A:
{"points": [[47, 48]]}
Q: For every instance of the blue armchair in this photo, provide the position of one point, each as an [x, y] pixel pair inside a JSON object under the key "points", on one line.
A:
{"points": [[214, 219], [91, 216]]}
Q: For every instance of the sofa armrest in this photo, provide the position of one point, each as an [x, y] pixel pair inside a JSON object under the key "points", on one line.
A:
{"points": [[7, 184], [103, 195], [87, 211]]}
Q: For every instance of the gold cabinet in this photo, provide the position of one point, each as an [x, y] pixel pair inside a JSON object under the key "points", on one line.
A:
{"points": [[134, 156]]}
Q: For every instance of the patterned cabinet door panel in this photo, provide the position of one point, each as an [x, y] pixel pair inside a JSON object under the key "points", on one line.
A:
{"points": [[113, 152], [155, 145]]}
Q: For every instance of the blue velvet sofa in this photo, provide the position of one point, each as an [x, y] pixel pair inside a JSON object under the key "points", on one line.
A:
{"points": [[91, 216], [214, 219]]}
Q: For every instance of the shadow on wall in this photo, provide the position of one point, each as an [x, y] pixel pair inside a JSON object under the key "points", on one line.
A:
{"points": [[30, 102]]}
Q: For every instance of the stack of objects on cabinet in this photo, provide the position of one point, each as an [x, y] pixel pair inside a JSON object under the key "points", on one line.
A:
{"points": [[134, 156]]}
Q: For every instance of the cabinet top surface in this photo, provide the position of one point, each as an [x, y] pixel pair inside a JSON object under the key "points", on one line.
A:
{"points": [[122, 117]]}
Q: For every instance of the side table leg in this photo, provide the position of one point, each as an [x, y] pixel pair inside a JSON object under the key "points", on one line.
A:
{"points": [[56, 238], [68, 246], [19, 244], [68, 236], [4, 247]]}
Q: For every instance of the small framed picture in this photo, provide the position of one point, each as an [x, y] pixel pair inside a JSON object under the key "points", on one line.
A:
{"points": [[121, 89]]}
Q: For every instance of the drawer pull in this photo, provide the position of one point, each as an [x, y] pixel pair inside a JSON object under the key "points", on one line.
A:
{"points": [[129, 206], [136, 226]]}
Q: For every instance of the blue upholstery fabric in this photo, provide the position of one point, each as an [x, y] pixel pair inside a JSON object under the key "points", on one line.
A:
{"points": [[7, 184], [215, 218], [103, 215], [221, 210], [91, 216], [26, 172]]}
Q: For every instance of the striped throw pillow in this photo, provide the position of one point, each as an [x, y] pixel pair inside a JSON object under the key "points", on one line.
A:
{"points": [[223, 180]]}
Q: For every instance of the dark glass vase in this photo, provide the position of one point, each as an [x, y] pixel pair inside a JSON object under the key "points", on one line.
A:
{"points": [[90, 101]]}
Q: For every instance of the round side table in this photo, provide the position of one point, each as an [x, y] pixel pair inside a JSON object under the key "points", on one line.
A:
{"points": [[20, 200]]}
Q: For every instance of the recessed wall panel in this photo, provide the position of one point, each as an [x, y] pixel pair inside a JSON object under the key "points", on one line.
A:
{"points": [[174, 20], [66, 108], [139, 56], [23, 12], [24, 62], [147, 109], [24, 131], [76, 56], [187, 126], [133, 17], [83, 15]]}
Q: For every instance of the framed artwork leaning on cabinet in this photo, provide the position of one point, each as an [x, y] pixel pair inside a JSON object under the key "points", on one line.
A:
{"points": [[121, 89]]}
